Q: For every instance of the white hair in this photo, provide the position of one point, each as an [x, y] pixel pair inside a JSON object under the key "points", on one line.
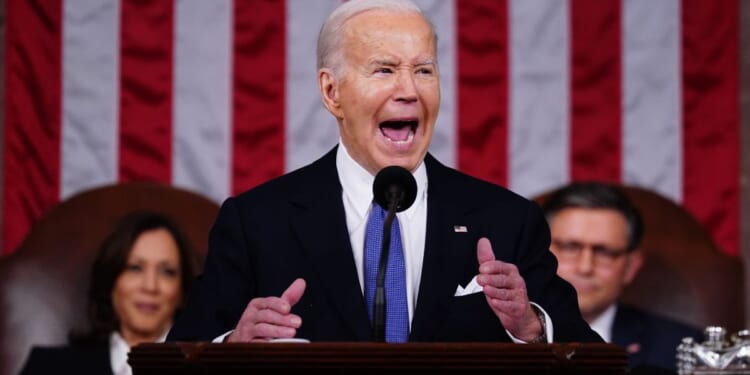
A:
{"points": [[329, 52]]}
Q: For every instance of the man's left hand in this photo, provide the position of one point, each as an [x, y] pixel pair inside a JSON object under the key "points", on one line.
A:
{"points": [[505, 291]]}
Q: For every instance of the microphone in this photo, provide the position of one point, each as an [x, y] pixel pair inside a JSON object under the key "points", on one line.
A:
{"points": [[394, 188]]}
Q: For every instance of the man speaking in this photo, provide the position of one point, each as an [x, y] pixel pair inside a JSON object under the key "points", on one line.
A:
{"points": [[299, 256]]}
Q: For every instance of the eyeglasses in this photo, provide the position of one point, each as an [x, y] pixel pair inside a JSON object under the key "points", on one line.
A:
{"points": [[571, 250]]}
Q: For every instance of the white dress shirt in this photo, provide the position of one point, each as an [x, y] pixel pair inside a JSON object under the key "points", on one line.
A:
{"points": [[356, 183], [604, 322], [118, 353]]}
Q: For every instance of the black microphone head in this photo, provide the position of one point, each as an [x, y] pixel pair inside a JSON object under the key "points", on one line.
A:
{"points": [[394, 184]]}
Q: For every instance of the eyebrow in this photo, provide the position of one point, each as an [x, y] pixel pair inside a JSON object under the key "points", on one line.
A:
{"points": [[389, 62], [382, 62], [426, 62]]}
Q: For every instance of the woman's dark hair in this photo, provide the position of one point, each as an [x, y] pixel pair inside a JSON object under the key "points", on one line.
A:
{"points": [[597, 195], [110, 262]]}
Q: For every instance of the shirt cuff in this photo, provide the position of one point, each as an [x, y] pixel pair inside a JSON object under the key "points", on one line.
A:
{"points": [[222, 337]]}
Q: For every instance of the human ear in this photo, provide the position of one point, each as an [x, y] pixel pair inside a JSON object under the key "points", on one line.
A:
{"points": [[329, 91], [634, 263]]}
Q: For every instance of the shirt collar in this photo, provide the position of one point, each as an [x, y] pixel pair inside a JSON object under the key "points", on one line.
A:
{"points": [[118, 353], [357, 183], [604, 322], [119, 349]]}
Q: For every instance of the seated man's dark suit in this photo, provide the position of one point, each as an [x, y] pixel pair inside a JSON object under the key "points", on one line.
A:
{"points": [[294, 226], [649, 339]]}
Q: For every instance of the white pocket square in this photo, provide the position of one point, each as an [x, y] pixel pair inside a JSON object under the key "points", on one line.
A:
{"points": [[471, 288]]}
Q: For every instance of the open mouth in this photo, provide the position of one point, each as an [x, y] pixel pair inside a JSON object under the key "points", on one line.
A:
{"points": [[148, 308], [399, 131]]}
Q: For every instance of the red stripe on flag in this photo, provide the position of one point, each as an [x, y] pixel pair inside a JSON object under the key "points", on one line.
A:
{"points": [[33, 82], [595, 134], [483, 76], [146, 90], [258, 92], [710, 71]]}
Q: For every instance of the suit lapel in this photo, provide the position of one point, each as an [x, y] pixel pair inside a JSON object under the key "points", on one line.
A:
{"points": [[445, 255], [320, 226], [627, 331]]}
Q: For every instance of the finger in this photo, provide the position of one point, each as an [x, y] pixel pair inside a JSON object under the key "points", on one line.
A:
{"points": [[265, 330], [504, 294], [275, 318], [499, 281], [294, 292], [499, 275], [277, 304], [499, 267], [484, 251], [282, 304]]}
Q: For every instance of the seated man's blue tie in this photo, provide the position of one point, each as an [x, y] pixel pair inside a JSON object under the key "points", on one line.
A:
{"points": [[396, 310]]}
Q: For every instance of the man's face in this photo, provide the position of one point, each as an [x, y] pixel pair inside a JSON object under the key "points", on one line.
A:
{"points": [[590, 246], [387, 94]]}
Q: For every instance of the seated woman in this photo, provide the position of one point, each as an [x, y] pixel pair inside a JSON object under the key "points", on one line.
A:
{"points": [[138, 280]]}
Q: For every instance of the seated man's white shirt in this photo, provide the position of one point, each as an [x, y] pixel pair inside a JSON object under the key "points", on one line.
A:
{"points": [[604, 322]]}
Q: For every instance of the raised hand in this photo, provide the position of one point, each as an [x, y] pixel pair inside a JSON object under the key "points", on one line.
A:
{"points": [[267, 318], [505, 291]]}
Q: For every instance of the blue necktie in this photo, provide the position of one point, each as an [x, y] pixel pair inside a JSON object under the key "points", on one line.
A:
{"points": [[396, 310]]}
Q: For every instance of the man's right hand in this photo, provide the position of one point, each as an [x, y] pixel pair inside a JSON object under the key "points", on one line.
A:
{"points": [[267, 318]]}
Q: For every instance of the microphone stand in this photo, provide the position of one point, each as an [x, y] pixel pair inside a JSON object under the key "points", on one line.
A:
{"points": [[378, 318]]}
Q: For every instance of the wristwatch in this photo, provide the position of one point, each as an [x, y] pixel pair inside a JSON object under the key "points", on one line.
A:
{"points": [[542, 338]]}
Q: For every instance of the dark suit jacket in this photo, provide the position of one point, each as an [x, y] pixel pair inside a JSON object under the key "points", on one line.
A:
{"points": [[68, 360], [650, 340], [294, 226]]}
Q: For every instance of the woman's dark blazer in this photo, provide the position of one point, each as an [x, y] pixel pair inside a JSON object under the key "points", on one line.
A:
{"points": [[79, 359]]}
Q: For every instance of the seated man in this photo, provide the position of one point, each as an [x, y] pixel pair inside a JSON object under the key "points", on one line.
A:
{"points": [[596, 232]]}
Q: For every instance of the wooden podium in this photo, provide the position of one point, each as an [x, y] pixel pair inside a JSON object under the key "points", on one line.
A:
{"points": [[376, 358]]}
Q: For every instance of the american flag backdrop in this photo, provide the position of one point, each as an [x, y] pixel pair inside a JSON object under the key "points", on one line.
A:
{"points": [[217, 96]]}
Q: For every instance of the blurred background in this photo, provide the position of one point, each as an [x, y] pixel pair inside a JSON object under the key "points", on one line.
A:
{"points": [[218, 96]]}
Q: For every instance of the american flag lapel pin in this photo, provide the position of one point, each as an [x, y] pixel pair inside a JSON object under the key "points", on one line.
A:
{"points": [[460, 229]]}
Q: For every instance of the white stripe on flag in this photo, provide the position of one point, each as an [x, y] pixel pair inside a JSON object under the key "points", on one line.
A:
{"points": [[443, 15], [90, 76], [539, 96], [310, 129], [202, 97], [652, 115]]}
